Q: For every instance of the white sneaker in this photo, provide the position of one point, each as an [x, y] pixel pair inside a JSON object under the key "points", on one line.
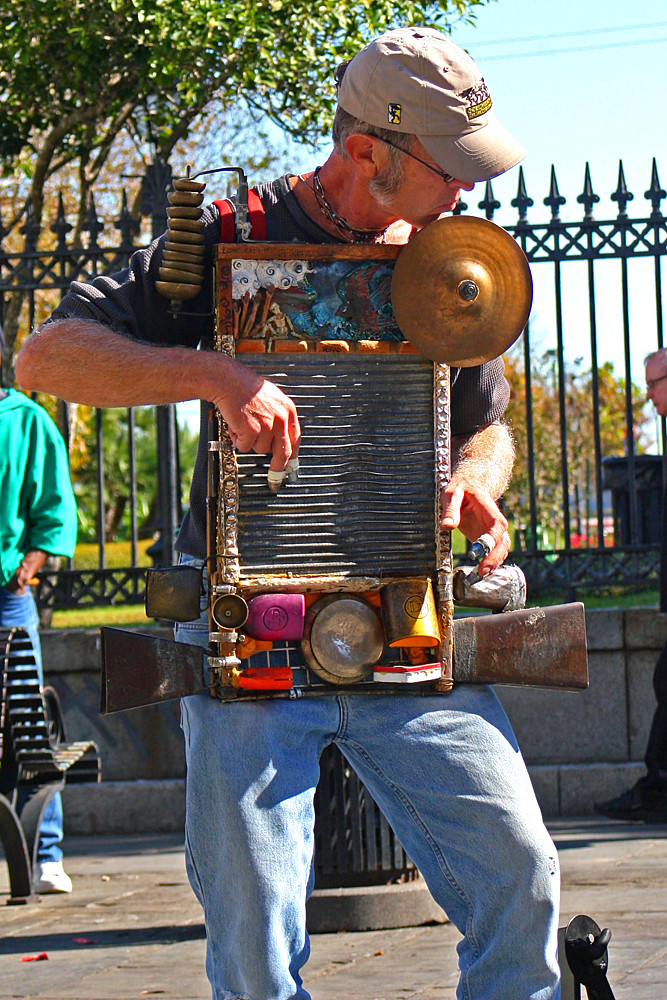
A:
{"points": [[52, 877]]}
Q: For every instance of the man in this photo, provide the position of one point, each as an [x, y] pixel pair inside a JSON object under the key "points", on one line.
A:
{"points": [[414, 127], [37, 519], [647, 799]]}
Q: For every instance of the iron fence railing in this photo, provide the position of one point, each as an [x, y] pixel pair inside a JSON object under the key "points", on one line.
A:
{"points": [[572, 532], [592, 243]]}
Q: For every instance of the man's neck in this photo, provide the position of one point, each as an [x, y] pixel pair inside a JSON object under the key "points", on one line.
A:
{"points": [[347, 193]]}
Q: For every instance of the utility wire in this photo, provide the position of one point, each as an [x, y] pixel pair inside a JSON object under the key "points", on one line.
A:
{"points": [[571, 34], [580, 48]]}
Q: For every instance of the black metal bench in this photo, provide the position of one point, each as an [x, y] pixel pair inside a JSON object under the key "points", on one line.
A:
{"points": [[35, 759]]}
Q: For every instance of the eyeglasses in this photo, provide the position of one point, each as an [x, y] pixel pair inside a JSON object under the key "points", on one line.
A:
{"points": [[447, 178], [654, 381]]}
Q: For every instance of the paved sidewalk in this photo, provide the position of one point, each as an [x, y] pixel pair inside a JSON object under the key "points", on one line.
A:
{"points": [[133, 904]]}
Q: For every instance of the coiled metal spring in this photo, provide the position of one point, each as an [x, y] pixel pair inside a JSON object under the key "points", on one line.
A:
{"points": [[182, 272]]}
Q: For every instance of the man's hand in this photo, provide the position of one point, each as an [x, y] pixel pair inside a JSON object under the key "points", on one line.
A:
{"points": [[31, 563], [259, 415], [475, 513]]}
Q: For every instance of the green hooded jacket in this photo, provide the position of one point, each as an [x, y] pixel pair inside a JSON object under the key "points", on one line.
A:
{"points": [[37, 506]]}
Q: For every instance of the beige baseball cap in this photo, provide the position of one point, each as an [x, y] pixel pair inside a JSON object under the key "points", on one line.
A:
{"points": [[417, 80]]}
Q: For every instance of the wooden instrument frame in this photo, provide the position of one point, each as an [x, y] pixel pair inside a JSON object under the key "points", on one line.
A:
{"points": [[223, 495]]}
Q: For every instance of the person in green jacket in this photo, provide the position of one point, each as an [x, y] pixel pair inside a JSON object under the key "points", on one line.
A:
{"points": [[37, 519]]}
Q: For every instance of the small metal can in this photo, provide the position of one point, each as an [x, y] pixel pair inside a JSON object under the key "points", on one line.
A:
{"points": [[409, 613]]}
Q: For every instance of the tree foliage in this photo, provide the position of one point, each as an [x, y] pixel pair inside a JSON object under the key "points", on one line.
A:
{"points": [[75, 73], [78, 78]]}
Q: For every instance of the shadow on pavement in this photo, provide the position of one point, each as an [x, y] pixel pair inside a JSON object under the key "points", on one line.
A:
{"points": [[28, 943]]}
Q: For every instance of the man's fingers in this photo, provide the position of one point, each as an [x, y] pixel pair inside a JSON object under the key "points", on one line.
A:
{"points": [[265, 440], [497, 556], [294, 431], [281, 441], [276, 477], [451, 513], [244, 440], [280, 447], [259, 415]]}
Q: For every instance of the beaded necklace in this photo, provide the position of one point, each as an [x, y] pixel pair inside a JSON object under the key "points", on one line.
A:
{"points": [[347, 231]]}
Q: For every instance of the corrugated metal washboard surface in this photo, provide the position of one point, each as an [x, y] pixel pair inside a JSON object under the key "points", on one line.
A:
{"points": [[364, 501]]}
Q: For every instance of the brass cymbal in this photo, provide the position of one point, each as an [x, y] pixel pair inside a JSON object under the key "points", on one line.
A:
{"points": [[461, 291]]}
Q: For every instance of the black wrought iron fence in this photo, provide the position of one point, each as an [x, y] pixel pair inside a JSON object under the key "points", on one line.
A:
{"points": [[614, 548], [582, 507]]}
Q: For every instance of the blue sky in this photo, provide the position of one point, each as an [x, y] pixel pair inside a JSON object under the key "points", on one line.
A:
{"points": [[581, 82], [576, 82]]}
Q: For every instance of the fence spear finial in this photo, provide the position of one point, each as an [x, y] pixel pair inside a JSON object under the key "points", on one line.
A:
{"points": [[621, 195], [92, 225], [522, 202], [30, 228], [61, 227], [554, 199], [488, 202], [655, 193], [588, 198], [127, 225]]}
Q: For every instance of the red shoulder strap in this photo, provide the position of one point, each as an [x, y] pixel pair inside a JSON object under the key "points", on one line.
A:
{"points": [[226, 220], [257, 217], [255, 211]]}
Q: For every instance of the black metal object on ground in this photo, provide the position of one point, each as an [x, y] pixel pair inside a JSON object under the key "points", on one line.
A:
{"points": [[587, 956]]}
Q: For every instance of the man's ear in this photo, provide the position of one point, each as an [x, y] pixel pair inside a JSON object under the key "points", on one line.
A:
{"points": [[367, 152]]}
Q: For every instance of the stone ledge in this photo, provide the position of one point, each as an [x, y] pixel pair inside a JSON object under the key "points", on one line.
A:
{"points": [[72, 650], [583, 785], [545, 784], [567, 727], [125, 807], [604, 629], [159, 806], [644, 628]]}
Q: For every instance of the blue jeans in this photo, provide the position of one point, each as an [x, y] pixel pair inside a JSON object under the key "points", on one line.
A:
{"points": [[447, 773], [18, 610]]}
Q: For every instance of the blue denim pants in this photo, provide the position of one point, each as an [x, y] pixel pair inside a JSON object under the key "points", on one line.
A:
{"points": [[17, 610], [447, 773]]}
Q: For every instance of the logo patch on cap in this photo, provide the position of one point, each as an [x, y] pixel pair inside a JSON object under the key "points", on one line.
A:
{"points": [[394, 114], [478, 98]]}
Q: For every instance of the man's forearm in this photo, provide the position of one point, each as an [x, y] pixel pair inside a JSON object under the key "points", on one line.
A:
{"points": [[485, 460], [85, 362]]}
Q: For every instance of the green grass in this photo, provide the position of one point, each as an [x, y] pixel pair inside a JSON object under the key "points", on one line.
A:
{"points": [[133, 616], [612, 597], [127, 615], [117, 554]]}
